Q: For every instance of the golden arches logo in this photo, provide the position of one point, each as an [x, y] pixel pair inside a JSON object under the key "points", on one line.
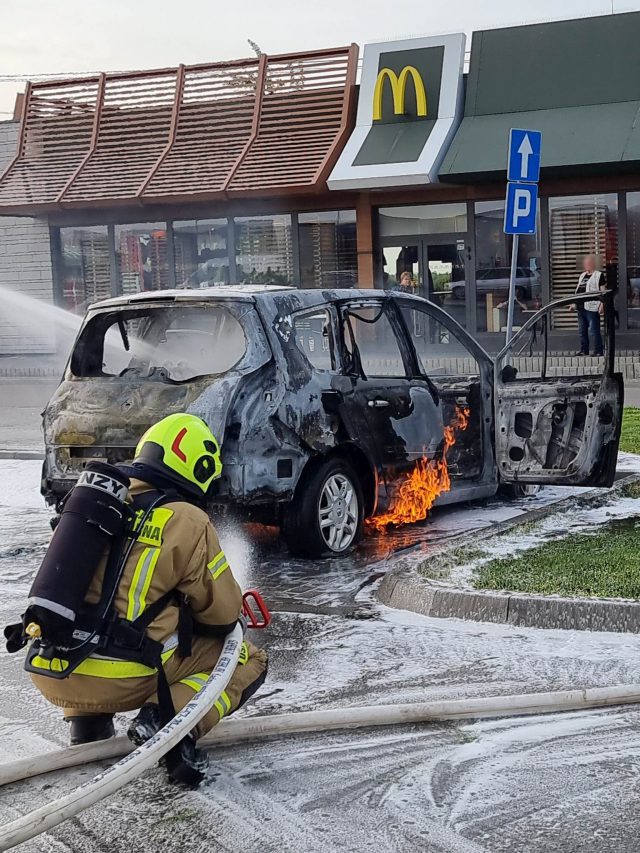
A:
{"points": [[398, 84]]}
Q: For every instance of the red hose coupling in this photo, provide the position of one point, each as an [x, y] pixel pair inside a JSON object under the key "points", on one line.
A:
{"points": [[255, 610]]}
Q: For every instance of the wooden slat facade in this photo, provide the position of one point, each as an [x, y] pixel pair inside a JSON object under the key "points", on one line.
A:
{"points": [[272, 125], [575, 231]]}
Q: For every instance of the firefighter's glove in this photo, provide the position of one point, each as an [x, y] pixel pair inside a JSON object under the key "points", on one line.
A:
{"points": [[15, 637]]}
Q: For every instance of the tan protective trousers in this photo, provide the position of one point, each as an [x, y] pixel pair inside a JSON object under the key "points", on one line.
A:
{"points": [[81, 695]]}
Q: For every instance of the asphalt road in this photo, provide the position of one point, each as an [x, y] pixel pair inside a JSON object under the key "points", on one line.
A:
{"points": [[553, 783]]}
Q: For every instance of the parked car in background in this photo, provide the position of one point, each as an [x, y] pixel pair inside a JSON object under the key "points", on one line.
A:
{"points": [[496, 280], [324, 400]]}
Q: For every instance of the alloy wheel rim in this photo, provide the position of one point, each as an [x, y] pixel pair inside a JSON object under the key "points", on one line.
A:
{"points": [[338, 512]]}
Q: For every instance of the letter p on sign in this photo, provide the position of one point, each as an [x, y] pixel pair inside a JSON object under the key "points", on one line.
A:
{"points": [[522, 206], [520, 209]]}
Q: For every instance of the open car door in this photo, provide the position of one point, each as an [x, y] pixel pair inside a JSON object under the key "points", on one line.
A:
{"points": [[556, 422]]}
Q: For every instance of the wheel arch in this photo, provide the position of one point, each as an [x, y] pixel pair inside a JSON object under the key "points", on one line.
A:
{"points": [[360, 463]]}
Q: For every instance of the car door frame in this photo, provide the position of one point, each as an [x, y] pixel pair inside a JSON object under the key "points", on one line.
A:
{"points": [[595, 461], [487, 481], [389, 465]]}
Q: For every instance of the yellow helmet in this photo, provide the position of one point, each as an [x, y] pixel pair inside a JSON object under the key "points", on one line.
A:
{"points": [[182, 449]]}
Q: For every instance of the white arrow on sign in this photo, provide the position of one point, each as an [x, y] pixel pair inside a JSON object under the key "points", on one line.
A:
{"points": [[525, 151]]}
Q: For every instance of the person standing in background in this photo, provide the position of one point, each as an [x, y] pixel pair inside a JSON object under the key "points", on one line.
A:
{"points": [[407, 284], [591, 281]]}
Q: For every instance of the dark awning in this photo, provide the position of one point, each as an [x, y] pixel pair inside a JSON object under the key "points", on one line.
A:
{"points": [[576, 81], [264, 126]]}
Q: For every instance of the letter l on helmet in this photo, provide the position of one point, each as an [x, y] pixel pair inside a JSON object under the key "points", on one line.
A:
{"points": [[182, 448]]}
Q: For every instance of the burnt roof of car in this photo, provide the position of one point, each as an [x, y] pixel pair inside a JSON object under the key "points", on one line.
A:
{"points": [[239, 291], [249, 292]]}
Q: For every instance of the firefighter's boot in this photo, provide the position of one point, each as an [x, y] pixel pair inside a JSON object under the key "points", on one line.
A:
{"points": [[185, 764], [145, 725], [89, 728]]}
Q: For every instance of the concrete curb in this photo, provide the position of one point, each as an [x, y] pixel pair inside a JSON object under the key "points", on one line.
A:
{"points": [[30, 372], [405, 589], [22, 454]]}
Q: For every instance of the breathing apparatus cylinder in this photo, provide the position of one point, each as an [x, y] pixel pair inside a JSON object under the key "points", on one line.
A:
{"points": [[94, 516]]}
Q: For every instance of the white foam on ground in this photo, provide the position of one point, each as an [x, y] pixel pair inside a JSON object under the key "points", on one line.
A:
{"points": [[545, 784]]}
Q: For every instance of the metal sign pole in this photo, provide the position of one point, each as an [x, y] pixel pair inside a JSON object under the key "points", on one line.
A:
{"points": [[521, 202], [512, 287]]}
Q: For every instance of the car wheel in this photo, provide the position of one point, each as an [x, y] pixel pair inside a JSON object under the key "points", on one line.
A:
{"points": [[516, 491], [326, 514]]}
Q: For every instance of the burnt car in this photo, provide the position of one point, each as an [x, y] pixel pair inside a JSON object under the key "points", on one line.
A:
{"points": [[325, 400]]}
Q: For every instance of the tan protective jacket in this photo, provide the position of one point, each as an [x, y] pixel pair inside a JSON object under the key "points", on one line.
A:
{"points": [[177, 549]]}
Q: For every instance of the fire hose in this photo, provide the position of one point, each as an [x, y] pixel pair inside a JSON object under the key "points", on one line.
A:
{"points": [[136, 761], [337, 719], [133, 764], [238, 730]]}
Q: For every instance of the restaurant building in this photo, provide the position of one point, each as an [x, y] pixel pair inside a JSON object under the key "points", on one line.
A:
{"points": [[291, 169]]}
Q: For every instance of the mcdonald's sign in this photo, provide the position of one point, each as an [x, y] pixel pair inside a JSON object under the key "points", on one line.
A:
{"points": [[409, 107], [398, 83]]}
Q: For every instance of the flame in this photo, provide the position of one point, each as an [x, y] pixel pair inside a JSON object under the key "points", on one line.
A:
{"points": [[429, 478]]}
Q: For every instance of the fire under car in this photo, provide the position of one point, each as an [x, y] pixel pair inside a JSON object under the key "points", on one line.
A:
{"points": [[336, 409]]}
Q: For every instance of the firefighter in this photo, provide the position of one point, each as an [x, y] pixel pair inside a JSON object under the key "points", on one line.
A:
{"points": [[176, 578]]}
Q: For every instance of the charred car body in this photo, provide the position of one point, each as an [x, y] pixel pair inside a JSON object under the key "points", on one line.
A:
{"points": [[324, 399]]}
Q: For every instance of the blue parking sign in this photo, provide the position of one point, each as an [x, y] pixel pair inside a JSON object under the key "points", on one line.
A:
{"points": [[521, 209], [524, 155]]}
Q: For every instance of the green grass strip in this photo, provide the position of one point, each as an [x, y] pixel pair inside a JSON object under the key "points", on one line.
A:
{"points": [[604, 564], [630, 438]]}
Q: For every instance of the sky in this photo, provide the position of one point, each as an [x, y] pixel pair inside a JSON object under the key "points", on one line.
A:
{"points": [[61, 36]]}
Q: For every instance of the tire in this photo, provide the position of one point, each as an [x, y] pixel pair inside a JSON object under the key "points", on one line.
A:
{"points": [[516, 491], [331, 490]]}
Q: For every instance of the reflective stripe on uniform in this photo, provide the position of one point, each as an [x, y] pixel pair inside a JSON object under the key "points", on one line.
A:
{"points": [[105, 668], [244, 654], [196, 682], [137, 595], [218, 565], [101, 667], [223, 705]]}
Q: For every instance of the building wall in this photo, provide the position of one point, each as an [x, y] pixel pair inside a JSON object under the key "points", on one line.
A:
{"points": [[25, 268]]}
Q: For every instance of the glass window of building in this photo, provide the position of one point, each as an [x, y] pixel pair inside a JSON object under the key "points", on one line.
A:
{"points": [[401, 268], [264, 251], [423, 219], [578, 226], [633, 260], [434, 269], [328, 249], [85, 267], [200, 253], [493, 270], [141, 252]]}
